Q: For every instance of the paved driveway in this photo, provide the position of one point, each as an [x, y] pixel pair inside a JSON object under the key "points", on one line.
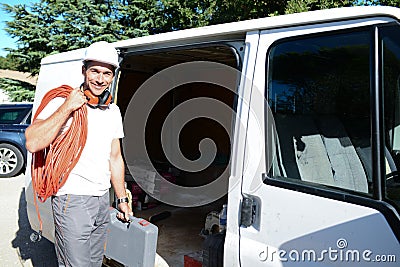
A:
{"points": [[16, 249]]}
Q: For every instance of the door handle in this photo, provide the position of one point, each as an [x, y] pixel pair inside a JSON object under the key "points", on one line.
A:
{"points": [[248, 211]]}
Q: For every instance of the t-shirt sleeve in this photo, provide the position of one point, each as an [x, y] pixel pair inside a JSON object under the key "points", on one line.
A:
{"points": [[50, 108], [119, 129]]}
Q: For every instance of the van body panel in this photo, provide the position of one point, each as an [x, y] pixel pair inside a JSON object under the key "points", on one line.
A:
{"points": [[63, 57], [324, 225], [64, 68]]}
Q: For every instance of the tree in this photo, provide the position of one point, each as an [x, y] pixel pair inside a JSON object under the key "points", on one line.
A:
{"points": [[53, 26], [395, 3], [295, 6], [18, 91], [8, 63], [139, 18], [237, 10]]}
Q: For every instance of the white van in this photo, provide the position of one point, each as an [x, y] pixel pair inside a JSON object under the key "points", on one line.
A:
{"points": [[303, 111]]}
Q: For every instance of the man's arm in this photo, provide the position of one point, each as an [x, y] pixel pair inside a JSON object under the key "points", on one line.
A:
{"points": [[41, 133], [117, 167]]}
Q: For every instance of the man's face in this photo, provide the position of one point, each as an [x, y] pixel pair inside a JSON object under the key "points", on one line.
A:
{"points": [[98, 76]]}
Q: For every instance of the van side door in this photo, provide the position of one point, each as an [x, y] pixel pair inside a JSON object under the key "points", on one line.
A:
{"points": [[318, 158]]}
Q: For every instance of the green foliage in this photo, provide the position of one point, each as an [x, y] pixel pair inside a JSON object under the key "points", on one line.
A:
{"points": [[139, 17], [8, 63], [237, 10], [395, 3], [53, 26], [183, 14], [295, 6], [18, 91]]}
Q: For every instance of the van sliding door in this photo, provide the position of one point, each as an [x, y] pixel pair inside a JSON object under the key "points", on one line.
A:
{"points": [[315, 190]]}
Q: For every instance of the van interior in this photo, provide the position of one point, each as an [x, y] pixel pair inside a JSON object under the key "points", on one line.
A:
{"points": [[182, 231]]}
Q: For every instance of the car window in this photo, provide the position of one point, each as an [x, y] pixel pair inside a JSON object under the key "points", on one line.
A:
{"points": [[13, 115]]}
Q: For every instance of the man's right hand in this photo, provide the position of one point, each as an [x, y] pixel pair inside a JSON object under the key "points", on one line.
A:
{"points": [[42, 132], [75, 100]]}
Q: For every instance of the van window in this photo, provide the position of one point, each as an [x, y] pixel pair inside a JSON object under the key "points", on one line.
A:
{"points": [[318, 88], [391, 83]]}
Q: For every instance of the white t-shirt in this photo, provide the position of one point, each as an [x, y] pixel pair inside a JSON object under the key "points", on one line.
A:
{"points": [[91, 175]]}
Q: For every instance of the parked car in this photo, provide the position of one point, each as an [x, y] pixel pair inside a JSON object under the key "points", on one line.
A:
{"points": [[14, 119]]}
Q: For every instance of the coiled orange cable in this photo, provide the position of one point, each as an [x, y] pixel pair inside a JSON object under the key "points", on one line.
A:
{"points": [[52, 165]]}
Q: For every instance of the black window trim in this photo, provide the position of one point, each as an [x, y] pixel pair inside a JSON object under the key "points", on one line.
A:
{"points": [[24, 121], [376, 84]]}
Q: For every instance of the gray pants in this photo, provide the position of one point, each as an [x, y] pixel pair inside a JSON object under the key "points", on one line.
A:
{"points": [[80, 229]]}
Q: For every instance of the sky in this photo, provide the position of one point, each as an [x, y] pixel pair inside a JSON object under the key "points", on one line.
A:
{"points": [[5, 39]]}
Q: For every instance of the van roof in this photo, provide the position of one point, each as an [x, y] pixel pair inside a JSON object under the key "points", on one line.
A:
{"points": [[242, 27]]}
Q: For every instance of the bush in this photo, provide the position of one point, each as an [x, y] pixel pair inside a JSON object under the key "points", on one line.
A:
{"points": [[18, 91], [8, 63]]}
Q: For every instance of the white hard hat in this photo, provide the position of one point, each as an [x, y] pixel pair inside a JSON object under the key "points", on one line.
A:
{"points": [[102, 52]]}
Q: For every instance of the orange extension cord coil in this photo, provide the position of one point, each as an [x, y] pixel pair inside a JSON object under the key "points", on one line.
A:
{"points": [[52, 165]]}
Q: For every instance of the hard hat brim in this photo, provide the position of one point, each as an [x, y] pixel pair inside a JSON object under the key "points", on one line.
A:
{"points": [[102, 61]]}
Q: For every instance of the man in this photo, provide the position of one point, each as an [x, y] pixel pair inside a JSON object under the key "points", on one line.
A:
{"points": [[80, 207]]}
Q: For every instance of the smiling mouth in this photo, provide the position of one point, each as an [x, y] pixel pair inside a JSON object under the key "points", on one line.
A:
{"points": [[98, 87]]}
